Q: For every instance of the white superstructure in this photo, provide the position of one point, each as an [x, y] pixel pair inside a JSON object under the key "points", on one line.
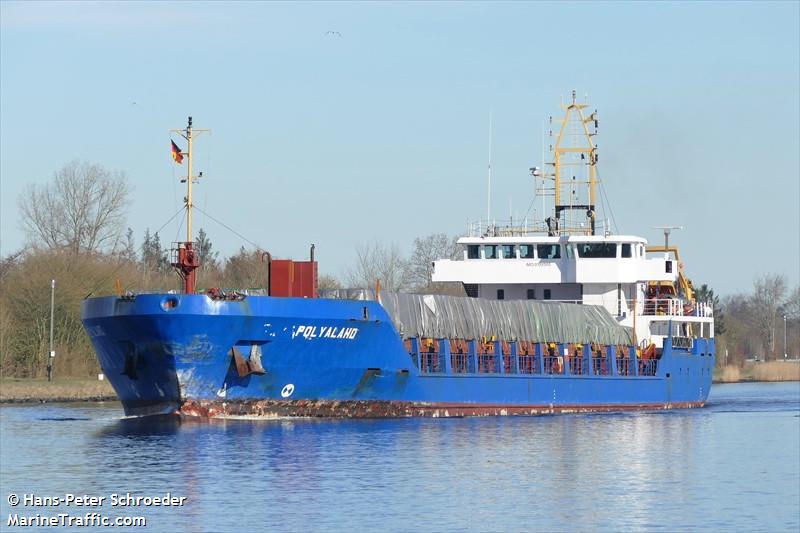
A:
{"points": [[564, 260], [614, 271]]}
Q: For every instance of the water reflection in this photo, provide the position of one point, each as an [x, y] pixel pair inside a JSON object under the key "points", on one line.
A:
{"points": [[141, 427], [631, 471]]}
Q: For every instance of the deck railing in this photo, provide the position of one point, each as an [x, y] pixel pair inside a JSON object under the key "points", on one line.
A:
{"points": [[576, 364], [520, 358], [553, 365], [650, 306], [487, 364], [682, 342], [460, 363], [648, 367], [514, 227], [600, 366], [528, 364], [431, 362]]}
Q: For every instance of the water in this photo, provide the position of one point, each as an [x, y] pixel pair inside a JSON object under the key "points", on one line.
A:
{"points": [[733, 466]]}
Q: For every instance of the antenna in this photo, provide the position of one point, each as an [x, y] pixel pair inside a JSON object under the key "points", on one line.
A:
{"points": [[489, 180], [544, 166], [667, 230], [544, 169]]}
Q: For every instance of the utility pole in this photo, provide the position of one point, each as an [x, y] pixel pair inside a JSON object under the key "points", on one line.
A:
{"points": [[52, 352], [785, 350]]}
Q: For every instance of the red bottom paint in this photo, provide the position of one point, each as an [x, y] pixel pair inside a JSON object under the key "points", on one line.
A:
{"points": [[395, 409]]}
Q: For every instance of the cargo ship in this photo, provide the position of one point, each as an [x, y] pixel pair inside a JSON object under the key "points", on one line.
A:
{"points": [[560, 315]]}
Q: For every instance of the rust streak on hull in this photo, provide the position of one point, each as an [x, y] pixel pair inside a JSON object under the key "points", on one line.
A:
{"points": [[394, 409]]}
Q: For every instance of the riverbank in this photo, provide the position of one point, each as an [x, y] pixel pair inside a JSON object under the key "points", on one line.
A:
{"points": [[772, 371], [17, 390]]}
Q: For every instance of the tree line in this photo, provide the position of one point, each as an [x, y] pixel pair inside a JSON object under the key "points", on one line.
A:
{"points": [[76, 234], [761, 324]]}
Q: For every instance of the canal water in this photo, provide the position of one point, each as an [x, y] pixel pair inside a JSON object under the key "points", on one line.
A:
{"points": [[732, 466]]}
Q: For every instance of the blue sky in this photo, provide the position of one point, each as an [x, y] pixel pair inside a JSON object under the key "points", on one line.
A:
{"points": [[381, 134]]}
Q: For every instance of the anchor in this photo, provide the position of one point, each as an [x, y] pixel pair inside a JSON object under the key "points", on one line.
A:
{"points": [[245, 367]]}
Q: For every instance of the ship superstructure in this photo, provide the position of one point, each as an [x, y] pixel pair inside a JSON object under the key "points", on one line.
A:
{"points": [[572, 257]]}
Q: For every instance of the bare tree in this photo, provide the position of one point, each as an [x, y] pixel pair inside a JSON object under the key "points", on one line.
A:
{"points": [[379, 262], [245, 270], [427, 250], [792, 307], [82, 210], [327, 281], [127, 251], [768, 295]]}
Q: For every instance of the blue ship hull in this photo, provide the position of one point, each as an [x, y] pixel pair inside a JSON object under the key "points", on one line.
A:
{"points": [[177, 353]]}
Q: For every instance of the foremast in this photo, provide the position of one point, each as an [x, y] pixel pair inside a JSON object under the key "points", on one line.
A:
{"points": [[185, 258]]}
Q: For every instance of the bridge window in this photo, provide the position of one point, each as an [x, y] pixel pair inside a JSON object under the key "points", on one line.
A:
{"points": [[490, 251], [473, 251], [508, 251], [596, 250], [526, 251], [547, 294], [626, 249], [548, 251], [501, 294], [570, 251], [531, 294]]}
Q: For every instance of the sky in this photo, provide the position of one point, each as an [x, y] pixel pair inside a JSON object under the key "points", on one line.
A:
{"points": [[342, 124]]}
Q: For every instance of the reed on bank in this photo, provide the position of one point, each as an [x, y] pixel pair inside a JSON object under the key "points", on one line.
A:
{"points": [[771, 371], [19, 390]]}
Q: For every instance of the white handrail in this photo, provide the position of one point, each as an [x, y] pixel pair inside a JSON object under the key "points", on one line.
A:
{"points": [[651, 306]]}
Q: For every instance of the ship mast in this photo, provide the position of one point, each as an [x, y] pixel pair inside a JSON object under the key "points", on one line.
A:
{"points": [[565, 155], [185, 258]]}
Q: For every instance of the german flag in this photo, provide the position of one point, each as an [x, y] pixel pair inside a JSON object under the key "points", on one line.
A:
{"points": [[176, 153]]}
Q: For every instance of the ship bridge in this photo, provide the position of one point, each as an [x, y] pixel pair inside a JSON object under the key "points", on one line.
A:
{"points": [[613, 271], [581, 269]]}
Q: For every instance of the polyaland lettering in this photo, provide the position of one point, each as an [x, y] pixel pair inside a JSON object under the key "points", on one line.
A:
{"points": [[324, 332]]}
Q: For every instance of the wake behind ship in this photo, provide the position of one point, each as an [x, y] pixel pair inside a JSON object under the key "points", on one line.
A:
{"points": [[560, 316]]}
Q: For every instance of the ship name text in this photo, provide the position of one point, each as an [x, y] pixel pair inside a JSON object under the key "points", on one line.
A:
{"points": [[324, 332]]}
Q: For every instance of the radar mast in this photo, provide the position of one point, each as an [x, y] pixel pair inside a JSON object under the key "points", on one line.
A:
{"points": [[574, 164]]}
